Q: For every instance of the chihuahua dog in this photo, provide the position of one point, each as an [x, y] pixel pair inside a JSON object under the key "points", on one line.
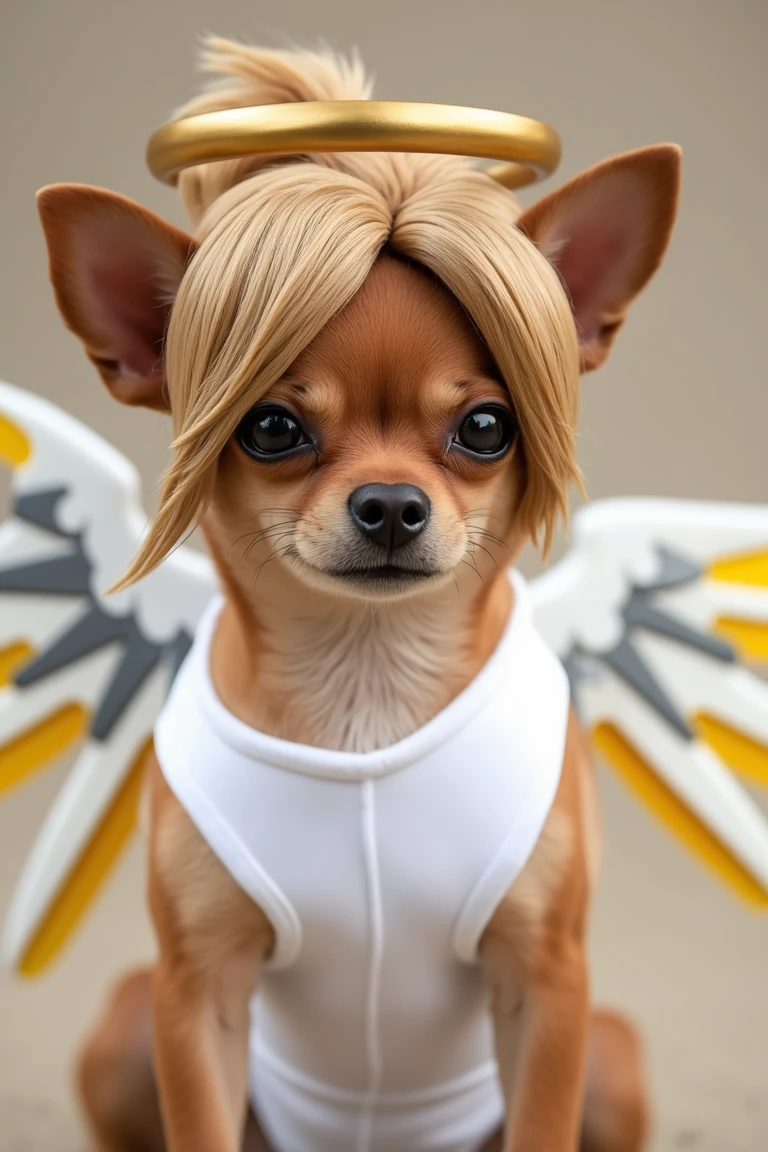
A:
{"points": [[372, 820]]}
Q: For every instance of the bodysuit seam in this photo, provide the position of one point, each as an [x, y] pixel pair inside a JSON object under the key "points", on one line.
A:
{"points": [[373, 990]]}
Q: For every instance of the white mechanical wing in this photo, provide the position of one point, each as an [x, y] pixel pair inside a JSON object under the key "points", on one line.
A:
{"points": [[650, 612], [77, 667]]}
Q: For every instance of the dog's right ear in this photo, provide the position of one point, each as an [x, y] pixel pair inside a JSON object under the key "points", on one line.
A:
{"points": [[115, 269]]}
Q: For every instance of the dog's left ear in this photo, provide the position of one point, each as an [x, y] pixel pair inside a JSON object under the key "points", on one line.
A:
{"points": [[606, 232]]}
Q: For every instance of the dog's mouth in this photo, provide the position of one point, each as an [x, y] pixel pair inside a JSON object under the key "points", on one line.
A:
{"points": [[382, 574], [386, 579]]}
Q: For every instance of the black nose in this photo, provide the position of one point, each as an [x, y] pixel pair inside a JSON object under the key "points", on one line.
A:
{"points": [[389, 514]]}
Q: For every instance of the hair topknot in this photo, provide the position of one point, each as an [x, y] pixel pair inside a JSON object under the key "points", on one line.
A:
{"points": [[244, 76]]}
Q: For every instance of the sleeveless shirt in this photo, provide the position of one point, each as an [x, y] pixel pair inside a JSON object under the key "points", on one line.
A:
{"points": [[371, 1028]]}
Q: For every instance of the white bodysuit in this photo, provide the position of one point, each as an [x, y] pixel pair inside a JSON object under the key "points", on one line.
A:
{"points": [[379, 871]]}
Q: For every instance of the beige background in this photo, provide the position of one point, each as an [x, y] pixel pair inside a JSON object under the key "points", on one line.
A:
{"points": [[682, 409]]}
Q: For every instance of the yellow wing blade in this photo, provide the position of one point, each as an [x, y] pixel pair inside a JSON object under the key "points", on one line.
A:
{"points": [[83, 838]]}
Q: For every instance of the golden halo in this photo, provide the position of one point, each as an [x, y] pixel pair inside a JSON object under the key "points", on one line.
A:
{"points": [[529, 148]]}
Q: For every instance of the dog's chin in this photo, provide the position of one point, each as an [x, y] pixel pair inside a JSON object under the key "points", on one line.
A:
{"points": [[375, 582]]}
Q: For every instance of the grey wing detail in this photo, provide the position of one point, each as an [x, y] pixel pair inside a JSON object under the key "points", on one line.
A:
{"points": [[640, 612], [69, 574]]}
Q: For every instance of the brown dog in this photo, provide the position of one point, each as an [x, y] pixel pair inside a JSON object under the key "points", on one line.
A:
{"points": [[408, 332]]}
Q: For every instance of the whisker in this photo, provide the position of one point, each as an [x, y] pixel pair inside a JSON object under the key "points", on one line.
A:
{"points": [[486, 550], [272, 556], [260, 531], [474, 568], [276, 553], [266, 534], [276, 546], [489, 512], [489, 535]]}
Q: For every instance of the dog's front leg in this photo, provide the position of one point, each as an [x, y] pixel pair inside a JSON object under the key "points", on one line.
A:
{"points": [[540, 1041], [533, 955], [213, 940]]}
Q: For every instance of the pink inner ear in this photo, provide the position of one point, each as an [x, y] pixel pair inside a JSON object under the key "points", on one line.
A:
{"points": [[595, 247], [593, 264], [127, 301]]}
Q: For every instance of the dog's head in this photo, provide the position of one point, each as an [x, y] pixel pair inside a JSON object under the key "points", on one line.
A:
{"points": [[373, 396]]}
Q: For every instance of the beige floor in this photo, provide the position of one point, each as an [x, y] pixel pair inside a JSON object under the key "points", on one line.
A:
{"points": [[668, 945]]}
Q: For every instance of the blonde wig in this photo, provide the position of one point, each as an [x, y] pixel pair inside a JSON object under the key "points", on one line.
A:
{"points": [[284, 245]]}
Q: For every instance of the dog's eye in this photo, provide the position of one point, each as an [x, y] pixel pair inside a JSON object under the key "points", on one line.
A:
{"points": [[270, 432], [487, 431]]}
